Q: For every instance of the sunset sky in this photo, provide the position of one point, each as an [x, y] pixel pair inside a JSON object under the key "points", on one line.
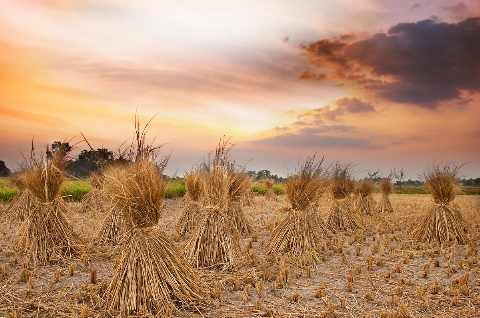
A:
{"points": [[384, 84]]}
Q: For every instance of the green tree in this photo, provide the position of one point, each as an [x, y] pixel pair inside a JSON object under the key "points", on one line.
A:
{"points": [[4, 171]]}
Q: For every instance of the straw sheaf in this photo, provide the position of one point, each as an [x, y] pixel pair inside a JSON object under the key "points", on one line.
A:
{"points": [[442, 182], [307, 185], [137, 191], [187, 222], [238, 218], [342, 184], [341, 216], [19, 208], [152, 277], [268, 183], [216, 186], [214, 243], [112, 230], [384, 205], [239, 184], [300, 232], [386, 187], [365, 188], [97, 179], [193, 183], [44, 180]]}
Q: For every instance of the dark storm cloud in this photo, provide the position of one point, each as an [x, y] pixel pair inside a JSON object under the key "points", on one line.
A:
{"points": [[315, 141], [422, 63]]}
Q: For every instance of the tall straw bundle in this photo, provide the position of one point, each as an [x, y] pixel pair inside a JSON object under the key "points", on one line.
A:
{"points": [[444, 221], [46, 232], [268, 183], [239, 186], [23, 202], [95, 200], [189, 218], [384, 205], [302, 229], [341, 211], [214, 242], [366, 203], [150, 276]]}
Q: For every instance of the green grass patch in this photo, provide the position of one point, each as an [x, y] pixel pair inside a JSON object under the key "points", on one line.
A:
{"points": [[470, 191], [175, 189], [7, 194], [279, 189], [75, 190], [259, 189], [411, 190]]}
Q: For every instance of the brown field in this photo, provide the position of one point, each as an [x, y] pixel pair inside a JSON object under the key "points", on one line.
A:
{"points": [[449, 286]]}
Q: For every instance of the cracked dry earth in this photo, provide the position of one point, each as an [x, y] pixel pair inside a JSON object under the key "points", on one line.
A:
{"points": [[375, 272]]}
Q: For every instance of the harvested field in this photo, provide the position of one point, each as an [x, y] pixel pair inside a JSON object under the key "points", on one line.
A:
{"points": [[377, 271]]}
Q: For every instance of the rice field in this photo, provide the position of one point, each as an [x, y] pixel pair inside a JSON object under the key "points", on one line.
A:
{"points": [[377, 271]]}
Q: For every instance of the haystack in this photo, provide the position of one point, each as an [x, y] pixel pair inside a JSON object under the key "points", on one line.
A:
{"points": [[95, 200], [239, 185], [444, 221], [302, 230], [270, 195], [366, 203], [22, 203], [150, 275], [384, 205], [46, 233], [215, 241], [189, 218], [341, 213]]}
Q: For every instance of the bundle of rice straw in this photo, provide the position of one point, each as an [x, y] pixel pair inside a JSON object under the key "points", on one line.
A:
{"points": [[341, 213], [23, 202], [189, 218], [302, 230], [95, 200], [384, 205], [366, 203], [270, 195], [150, 275], [46, 233], [239, 186], [215, 241], [444, 221]]}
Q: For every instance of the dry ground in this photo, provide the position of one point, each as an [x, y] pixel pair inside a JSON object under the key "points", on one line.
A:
{"points": [[397, 287]]}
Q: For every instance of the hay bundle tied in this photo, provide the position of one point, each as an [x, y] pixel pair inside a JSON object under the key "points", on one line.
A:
{"points": [[366, 203], [384, 205], [341, 213], [23, 202], [46, 234], [239, 185], [270, 195], [302, 230], [150, 275], [189, 218], [214, 242], [95, 200], [444, 221]]}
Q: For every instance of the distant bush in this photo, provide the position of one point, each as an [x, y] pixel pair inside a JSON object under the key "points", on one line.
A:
{"points": [[470, 191]]}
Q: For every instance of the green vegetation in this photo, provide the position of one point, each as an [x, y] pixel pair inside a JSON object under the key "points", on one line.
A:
{"points": [[175, 189], [7, 190], [279, 189], [411, 190], [259, 189], [76, 190], [470, 191]]}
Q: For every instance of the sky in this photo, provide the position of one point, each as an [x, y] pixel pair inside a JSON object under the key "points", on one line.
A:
{"points": [[382, 84]]}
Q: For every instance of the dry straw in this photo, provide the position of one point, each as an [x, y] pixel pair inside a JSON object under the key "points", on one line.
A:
{"points": [[444, 221], [366, 203], [95, 200], [189, 218], [302, 230], [268, 183], [384, 205], [341, 213], [239, 184], [46, 234], [23, 202], [215, 242], [150, 275]]}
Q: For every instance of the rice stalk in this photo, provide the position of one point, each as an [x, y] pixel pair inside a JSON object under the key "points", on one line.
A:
{"points": [[366, 204]]}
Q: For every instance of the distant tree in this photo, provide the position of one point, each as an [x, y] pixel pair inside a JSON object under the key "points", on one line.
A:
{"points": [[397, 176], [88, 161], [4, 171], [375, 176], [58, 146], [477, 182]]}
